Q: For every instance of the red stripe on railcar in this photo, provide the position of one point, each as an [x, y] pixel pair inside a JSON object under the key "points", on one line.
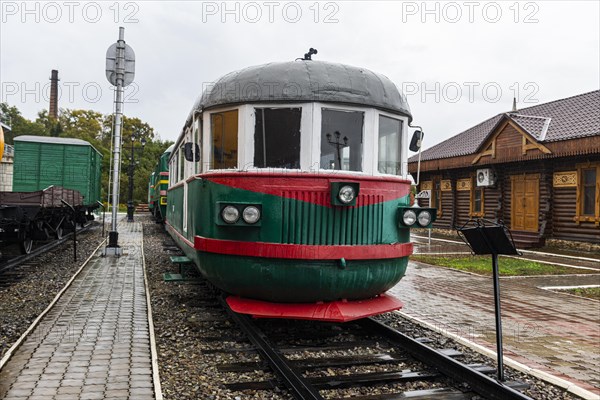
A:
{"points": [[291, 185], [302, 251]]}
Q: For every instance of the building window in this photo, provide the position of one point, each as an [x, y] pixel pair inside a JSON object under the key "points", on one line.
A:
{"points": [[390, 141], [224, 127], [477, 200], [588, 193], [277, 138], [341, 139], [436, 195]]}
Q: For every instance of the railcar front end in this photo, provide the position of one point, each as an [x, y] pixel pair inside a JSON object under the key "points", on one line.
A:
{"points": [[315, 223]]}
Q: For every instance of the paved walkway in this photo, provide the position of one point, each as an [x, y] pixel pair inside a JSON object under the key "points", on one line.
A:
{"points": [[95, 342], [553, 332]]}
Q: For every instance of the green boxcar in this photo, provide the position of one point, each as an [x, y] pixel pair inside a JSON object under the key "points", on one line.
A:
{"points": [[42, 161]]}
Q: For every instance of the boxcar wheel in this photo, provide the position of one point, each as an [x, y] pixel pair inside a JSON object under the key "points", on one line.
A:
{"points": [[26, 245]]}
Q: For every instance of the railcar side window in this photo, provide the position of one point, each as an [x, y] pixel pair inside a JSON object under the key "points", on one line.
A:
{"points": [[390, 142], [224, 128], [198, 141], [341, 139], [181, 162], [277, 137]]}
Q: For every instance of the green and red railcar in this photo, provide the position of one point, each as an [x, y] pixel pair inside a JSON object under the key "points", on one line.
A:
{"points": [[289, 190], [158, 185]]}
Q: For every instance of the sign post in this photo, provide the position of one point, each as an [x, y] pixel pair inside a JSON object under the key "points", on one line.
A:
{"points": [[494, 239], [120, 71]]}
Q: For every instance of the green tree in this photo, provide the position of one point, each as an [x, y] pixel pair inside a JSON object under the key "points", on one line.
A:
{"points": [[96, 128], [19, 125]]}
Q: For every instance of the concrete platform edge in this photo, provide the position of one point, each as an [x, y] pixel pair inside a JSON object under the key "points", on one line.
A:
{"points": [[155, 372], [35, 323], [569, 386]]}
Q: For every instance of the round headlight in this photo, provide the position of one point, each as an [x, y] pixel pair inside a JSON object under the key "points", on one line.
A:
{"points": [[230, 214], [251, 215], [346, 194], [424, 218], [409, 217]]}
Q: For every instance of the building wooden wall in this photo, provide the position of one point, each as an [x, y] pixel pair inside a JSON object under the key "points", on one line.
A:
{"points": [[557, 205]]}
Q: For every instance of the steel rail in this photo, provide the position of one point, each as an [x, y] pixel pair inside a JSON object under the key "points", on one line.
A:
{"points": [[16, 261], [483, 385], [300, 388]]}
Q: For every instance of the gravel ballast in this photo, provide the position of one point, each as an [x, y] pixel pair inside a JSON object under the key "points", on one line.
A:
{"points": [[189, 326]]}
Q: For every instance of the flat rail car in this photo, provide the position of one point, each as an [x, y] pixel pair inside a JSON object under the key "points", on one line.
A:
{"points": [[289, 190], [39, 215]]}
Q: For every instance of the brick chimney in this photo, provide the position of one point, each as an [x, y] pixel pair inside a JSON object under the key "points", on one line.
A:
{"points": [[54, 94]]}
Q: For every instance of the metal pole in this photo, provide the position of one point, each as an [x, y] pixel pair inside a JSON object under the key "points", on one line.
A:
{"points": [[75, 239], [498, 317], [130, 200], [113, 234]]}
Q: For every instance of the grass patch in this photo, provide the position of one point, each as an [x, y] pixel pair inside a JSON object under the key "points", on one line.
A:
{"points": [[590, 293], [508, 266]]}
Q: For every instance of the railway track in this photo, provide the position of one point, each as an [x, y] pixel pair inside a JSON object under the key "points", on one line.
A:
{"points": [[329, 361], [11, 260]]}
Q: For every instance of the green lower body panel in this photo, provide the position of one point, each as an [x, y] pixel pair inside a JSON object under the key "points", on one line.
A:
{"points": [[284, 280]]}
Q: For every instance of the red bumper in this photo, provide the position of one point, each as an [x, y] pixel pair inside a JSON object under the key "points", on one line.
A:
{"points": [[333, 311]]}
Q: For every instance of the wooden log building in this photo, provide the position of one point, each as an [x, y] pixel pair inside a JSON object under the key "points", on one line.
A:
{"points": [[536, 169]]}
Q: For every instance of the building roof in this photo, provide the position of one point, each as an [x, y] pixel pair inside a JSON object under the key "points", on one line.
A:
{"points": [[305, 81], [571, 118]]}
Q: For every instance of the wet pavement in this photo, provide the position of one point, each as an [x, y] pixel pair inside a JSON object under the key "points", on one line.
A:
{"points": [[553, 332], [95, 342]]}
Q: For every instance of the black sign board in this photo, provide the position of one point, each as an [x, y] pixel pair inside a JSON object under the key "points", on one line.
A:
{"points": [[489, 240]]}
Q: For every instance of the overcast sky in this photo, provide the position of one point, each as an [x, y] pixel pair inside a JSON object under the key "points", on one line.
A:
{"points": [[458, 62]]}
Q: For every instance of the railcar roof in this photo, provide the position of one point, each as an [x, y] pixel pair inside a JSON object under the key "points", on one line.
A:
{"points": [[54, 140], [304, 81]]}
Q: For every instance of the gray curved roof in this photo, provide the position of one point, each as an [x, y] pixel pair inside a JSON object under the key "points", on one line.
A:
{"points": [[51, 139], [54, 140], [305, 81]]}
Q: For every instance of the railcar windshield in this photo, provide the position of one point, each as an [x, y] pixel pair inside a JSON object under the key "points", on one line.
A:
{"points": [[277, 137], [224, 127], [390, 142], [342, 139]]}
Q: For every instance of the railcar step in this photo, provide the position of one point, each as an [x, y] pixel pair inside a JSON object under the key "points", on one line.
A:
{"points": [[173, 277], [180, 260]]}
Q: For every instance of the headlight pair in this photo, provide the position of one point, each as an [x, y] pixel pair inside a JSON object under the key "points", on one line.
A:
{"points": [[412, 216], [231, 214]]}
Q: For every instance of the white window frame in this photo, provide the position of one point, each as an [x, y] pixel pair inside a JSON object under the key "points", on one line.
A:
{"points": [[404, 144], [368, 145], [197, 136], [310, 135], [403, 149], [250, 123], [207, 136]]}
